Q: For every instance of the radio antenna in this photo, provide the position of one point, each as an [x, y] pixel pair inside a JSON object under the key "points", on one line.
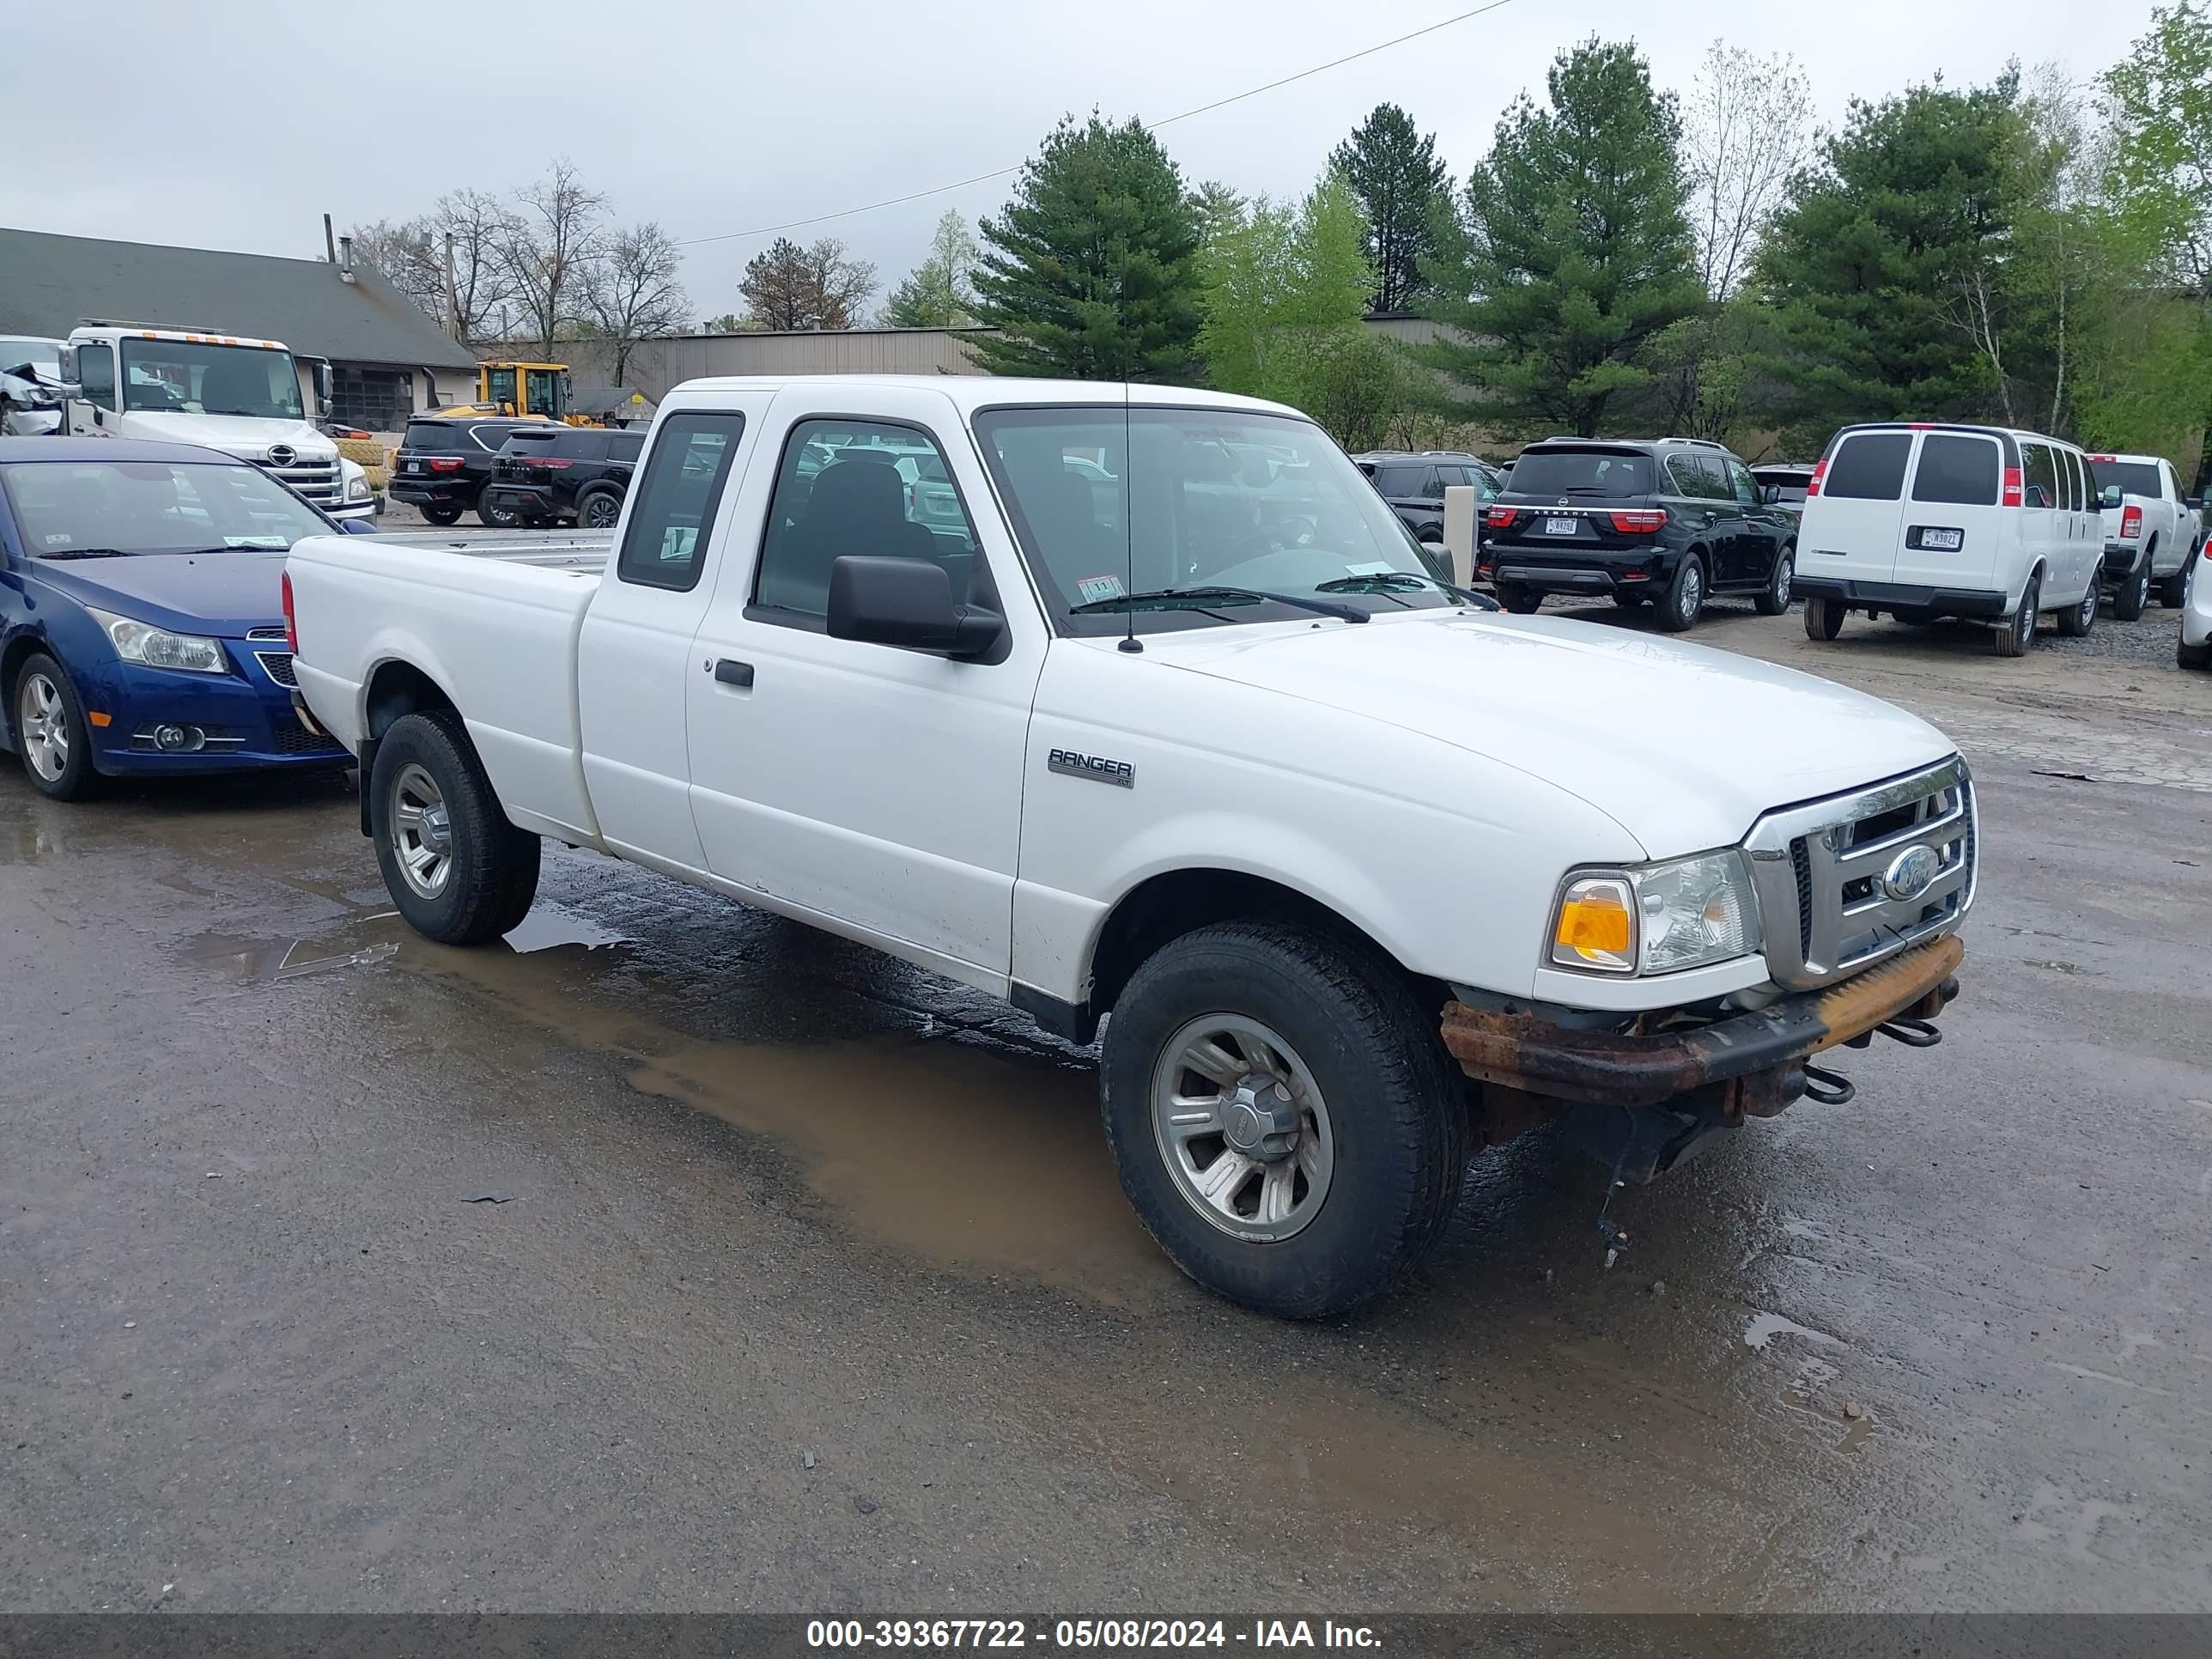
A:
{"points": [[1129, 640]]}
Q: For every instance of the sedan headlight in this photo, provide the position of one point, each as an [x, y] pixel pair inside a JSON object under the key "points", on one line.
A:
{"points": [[1656, 919], [157, 648]]}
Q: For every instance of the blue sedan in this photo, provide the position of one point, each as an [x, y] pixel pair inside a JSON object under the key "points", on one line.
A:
{"points": [[142, 626]]}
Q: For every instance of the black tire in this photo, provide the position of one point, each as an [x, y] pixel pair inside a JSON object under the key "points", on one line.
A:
{"points": [[493, 873], [75, 778], [498, 517], [2174, 590], [438, 513], [2186, 655], [1521, 601], [1396, 1104], [2017, 635], [2078, 620], [1430, 532], [1824, 618], [599, 510], [2132, 597], [1774, 599], [1685, 597]]}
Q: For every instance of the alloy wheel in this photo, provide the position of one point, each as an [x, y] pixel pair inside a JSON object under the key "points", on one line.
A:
{"points": [[42, 718]]}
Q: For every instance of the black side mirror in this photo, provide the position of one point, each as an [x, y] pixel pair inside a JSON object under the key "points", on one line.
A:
{"points": [[357, 527], [907, 602]]}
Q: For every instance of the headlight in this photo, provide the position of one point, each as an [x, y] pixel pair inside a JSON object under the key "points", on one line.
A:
{"points": [[357, 487], [1657, 919], [157, 648]]}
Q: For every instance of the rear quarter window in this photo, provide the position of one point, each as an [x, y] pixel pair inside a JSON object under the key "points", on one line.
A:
{"points": [[1957, 470], [1869, 466], [581, 445]]}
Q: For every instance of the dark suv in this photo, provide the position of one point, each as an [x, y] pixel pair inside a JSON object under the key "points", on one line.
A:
{"points": [[1413, 485], [580, 477], [443, 464], [1670, 520]]}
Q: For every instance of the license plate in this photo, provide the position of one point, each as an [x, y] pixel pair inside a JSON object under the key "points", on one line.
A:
{"points": [[414, 466], [1561, 526], [1942, 541]]}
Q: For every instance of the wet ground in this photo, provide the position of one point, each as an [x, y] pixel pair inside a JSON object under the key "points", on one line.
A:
{"points": [[672, 1256]]}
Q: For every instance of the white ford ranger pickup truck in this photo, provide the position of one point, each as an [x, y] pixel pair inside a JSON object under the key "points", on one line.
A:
{"points": [[1138, 705]]}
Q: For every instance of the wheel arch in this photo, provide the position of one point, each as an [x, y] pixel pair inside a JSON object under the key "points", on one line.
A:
{"points": [[397, 687], [19, 650]]}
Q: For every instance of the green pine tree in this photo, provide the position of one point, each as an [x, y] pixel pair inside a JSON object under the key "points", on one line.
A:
{"points": [[1576, 251], [1091, 271], [1394, 170]]}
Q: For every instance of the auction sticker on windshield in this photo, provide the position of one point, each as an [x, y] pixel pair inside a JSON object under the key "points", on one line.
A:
{"points": [[1095, 588]]}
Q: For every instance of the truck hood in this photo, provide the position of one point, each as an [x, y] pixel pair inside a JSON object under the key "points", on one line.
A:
{"points": [[221, 595], [246, 436], [1682, 745]]}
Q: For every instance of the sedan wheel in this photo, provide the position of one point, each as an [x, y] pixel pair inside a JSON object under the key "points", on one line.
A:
{"points": [[45, 726]]}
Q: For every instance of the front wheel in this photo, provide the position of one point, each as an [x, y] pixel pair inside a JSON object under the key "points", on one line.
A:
{"points": [[1685, 597], [1774, 599], [1824, 619], [1282, 1116], [2173, 591], [50, 733], [456, 868], [2017, 633]]}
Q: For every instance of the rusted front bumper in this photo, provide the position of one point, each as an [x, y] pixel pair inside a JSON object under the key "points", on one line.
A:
{"points": [[1748, 1064]]}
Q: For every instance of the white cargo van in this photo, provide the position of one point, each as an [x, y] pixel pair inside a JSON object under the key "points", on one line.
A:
{"points": [[1923, 520]]}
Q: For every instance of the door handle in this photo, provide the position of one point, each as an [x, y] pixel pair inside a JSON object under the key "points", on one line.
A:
{"points": [[733, 673]]}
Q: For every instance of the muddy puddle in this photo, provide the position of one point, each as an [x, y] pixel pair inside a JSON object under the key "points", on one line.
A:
{"points": [[975, 1153]]}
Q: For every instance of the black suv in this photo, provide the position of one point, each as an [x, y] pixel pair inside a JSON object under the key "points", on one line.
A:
{"points": [[1670, 520], [580, 477], [1413, 485], [444, 462]]}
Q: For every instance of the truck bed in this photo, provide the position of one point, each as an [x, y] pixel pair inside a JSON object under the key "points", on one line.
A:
{"points": [[492, 620]]}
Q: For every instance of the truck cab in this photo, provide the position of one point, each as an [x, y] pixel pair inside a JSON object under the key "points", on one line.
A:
{"points": [[226, 392]]}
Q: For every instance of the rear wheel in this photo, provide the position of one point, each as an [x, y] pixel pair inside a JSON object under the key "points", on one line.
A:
{"points": [[500, 518], [1824, 619], [2132, 597], [2079, 619], [1521, 601], [600, 510], [456, 868], [441, 513], [2016, 635], [1685, 598], [1282, 1116], [1774, 599], [50, 733]]}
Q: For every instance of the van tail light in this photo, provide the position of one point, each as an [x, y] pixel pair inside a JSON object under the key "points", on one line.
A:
{"points": [[291, 624], [444, 464], [1500, 518], [2011, 496], [2131, 524], [1642, 521], [1813, 483]]}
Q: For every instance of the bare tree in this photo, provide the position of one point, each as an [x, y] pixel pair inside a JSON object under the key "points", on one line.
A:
{"points": [[478, 223], [789, 287], [407, 256], [634, 292], [1744, 133], [550, 241]]}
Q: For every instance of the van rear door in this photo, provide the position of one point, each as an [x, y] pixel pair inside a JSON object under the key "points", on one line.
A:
{"points": [[1953, 518], [1851, 529]]}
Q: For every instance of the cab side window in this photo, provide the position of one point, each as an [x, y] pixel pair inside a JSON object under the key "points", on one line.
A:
{"points": [[665, 545], [866, 488], [95, 370], [2042, 477]]}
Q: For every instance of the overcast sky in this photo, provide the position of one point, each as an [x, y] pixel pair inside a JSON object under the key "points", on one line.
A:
{"points": [[237, 124]]}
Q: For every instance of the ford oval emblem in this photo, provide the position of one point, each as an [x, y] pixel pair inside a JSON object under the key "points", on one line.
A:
{"points": [[1911, 873]]}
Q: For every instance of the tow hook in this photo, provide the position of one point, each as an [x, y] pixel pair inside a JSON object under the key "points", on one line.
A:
{"points": [[1835, 1089], [1912, 1033], [1829, 1088]]}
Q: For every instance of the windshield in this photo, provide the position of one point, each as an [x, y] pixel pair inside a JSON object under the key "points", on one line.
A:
{"points": [[1213, 498], [198, 379], [1611, 473], [70, 509], [2116, 478], [16, 349]]}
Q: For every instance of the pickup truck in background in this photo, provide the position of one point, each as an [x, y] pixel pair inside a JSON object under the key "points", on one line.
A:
{"points": [[2151, 530], [1123, 729]]}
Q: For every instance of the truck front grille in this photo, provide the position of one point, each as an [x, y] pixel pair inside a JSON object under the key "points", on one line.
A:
{"points": [[318, 481], [1865, 875]]}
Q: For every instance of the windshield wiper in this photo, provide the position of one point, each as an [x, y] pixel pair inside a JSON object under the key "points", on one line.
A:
{"points": [[1197, 597], [92, 553], [1383, 580]]}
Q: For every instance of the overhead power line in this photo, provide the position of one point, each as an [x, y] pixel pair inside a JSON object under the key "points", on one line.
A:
{"points": [[1150, 126]]}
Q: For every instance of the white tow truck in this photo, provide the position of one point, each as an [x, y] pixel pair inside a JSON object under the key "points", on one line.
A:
{"points": [[227, 391], [2151, 530], [1157, 716]]}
